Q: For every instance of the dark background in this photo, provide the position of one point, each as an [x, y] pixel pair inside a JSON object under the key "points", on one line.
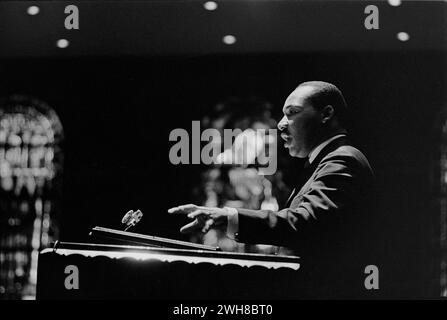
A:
{"points": [[117, 114]]}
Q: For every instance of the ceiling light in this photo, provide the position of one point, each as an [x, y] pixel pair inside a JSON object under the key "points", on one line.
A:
{"points": [[394, 3], [229, 39], [210, 5], [33, 10], [403, 36], [62, 43]]}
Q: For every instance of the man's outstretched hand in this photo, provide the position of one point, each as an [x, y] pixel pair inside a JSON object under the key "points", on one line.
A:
{"points": [[204, 217]]}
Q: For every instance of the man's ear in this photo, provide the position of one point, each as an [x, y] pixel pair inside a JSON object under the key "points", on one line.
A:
{"points": [[327, 113]]}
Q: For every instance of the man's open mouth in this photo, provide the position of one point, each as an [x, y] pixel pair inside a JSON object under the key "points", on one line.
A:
{"points": [[287, 138]]}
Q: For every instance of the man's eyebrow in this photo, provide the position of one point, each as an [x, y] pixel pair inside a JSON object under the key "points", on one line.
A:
{"points": [[289, 106]]}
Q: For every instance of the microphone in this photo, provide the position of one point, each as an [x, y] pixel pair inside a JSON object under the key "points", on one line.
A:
{"points": [[131, 218]]}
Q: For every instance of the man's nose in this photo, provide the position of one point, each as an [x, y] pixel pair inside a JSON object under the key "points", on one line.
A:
{"points": [[282, 125]]}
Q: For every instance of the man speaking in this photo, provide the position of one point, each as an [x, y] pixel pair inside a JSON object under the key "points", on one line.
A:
{"points": [[326, 217]]}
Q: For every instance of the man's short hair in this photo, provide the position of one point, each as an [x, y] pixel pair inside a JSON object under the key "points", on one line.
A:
{"points": [[327, 94]]}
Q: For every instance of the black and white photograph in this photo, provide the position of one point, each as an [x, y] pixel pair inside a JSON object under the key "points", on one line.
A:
{"points": [[223, 155]]}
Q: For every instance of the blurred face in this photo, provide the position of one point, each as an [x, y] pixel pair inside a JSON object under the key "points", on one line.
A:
{"points": [[301, 124]]}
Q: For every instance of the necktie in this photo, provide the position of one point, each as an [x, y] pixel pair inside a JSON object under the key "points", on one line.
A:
{"points": [[307, 163], [301, 180]]}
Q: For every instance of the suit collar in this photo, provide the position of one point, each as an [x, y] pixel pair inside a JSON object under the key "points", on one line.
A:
{"points": [[314, 153], [331, 146], [309, 169]]}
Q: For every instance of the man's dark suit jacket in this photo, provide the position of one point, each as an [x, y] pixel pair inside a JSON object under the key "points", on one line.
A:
{"points": [[327, 221]]}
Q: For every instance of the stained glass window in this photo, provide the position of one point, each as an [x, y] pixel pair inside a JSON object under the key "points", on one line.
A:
{"points": [[30, 175], [443, 211]]}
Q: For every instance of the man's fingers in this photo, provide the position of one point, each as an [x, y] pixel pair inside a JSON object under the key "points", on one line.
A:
{"points": [[208, 224], [192, 226], [198, 224], [201, 216], [187, 208], [198, 214]]}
